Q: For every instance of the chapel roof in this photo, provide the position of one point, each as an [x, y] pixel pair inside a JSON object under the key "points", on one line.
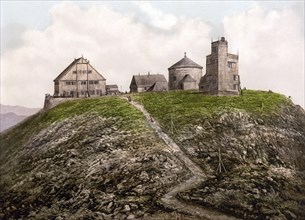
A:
{"points": [[185, 62]]}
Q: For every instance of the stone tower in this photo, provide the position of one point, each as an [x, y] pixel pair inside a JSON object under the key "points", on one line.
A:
{"points": [[184, 75], [221, 76]]}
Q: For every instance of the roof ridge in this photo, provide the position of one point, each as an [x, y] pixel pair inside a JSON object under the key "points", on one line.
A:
{"points": [[184, 63]]}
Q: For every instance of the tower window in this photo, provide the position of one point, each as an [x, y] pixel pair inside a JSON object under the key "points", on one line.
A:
{"points": [[235, 77], [231, 64], [214, 49]]}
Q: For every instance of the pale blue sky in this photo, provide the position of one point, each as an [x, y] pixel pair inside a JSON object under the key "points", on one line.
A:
{"points": [[35, 14]]}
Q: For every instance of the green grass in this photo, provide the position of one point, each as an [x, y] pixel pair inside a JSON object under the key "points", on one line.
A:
{"points": [[130, 118], [184, 107], [189, 107]]}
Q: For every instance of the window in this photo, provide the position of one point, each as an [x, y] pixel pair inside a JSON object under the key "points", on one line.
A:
{"points": [[89, 71], [56, 83], [71, 83], [175, 78], [214, 49], [83, 83], [231, 64], [74, 72], [91, 82], [235, 77], [235, 87], [92, 92]]}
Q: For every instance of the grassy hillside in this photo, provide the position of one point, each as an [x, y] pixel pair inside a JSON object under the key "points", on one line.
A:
{"points": [[261, 139], [85, 159], [105, 107], [184, 108]]}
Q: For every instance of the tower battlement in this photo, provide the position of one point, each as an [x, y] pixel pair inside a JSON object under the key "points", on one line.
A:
{"points": [[221, 76]]}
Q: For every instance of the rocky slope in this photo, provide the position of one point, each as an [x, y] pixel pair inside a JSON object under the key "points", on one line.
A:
{"points": [[261, 171], [100, 159], [95, 165], [254, 157]]}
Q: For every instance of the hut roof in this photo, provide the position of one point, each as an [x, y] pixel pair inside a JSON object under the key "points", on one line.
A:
{"points": [[149, 80], [112, 86], [72, 64], [185, 62]]}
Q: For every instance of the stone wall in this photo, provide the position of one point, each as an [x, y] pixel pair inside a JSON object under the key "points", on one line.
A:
{"points": [[176, 75], [189, 85], [51, 102]]}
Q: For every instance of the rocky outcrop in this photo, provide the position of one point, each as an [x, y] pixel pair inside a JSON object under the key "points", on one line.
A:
{"points": [[256, 164], [88, 167]]}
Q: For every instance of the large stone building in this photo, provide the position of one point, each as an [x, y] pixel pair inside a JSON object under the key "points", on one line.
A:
{"points": [[184, 75], [149, 82], [79, 79], [221, 76]]}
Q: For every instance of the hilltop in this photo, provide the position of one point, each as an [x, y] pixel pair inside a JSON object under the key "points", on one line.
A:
{"points": [[100, 158]]}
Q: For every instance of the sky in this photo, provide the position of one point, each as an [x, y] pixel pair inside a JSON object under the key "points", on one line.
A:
{"points": [[123, 38]]}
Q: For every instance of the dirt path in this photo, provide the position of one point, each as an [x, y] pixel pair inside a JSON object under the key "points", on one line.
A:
{"points": [[169, 200]]}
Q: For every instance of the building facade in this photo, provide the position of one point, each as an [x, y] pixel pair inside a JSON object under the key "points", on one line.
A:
{"points": [[221, 76], [112, 90], [79, 79], [184, 75], [148, 83]]}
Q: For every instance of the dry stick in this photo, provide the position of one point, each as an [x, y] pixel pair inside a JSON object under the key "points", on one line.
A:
{"points": [[220, 163]]}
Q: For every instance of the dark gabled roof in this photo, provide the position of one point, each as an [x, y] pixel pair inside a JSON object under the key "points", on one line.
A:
{"points": [[185, 62], [188, 78], [158, 86], [148, 80], [72, 64]]}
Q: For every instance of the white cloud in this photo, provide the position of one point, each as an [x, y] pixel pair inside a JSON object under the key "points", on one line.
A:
{"points": [[117, 45], [156, 17], [271, 46]]}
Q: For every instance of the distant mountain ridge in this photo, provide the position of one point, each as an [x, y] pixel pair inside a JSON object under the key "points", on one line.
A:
{"points": [[18, 110], [12, 115]]}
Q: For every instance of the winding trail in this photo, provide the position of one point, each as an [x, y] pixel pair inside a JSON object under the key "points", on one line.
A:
{"points": [[169, 200]]}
